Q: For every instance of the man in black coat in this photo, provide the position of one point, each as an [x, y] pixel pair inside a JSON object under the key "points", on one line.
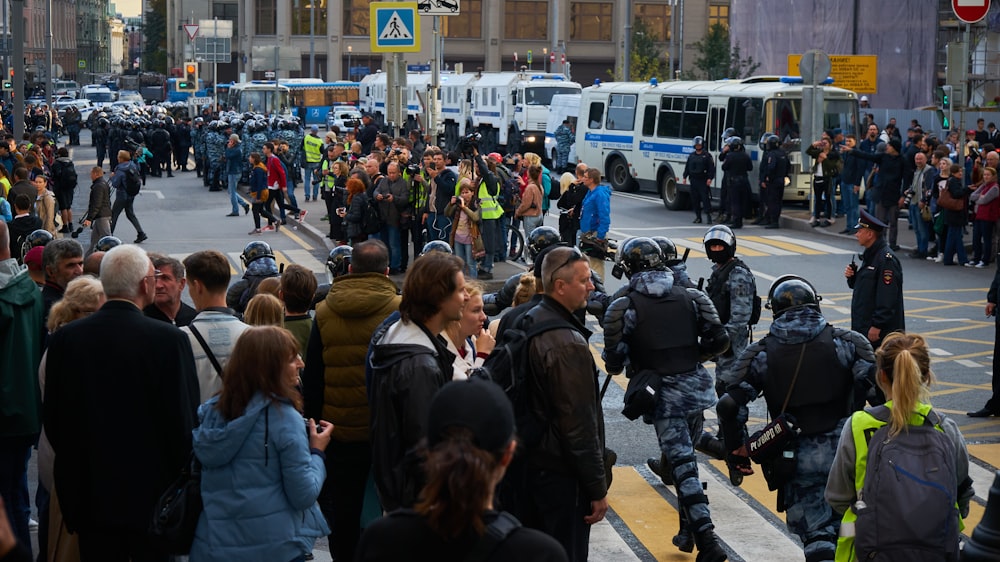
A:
{"points": [[120, 404], [888, 186], [877, 305]]}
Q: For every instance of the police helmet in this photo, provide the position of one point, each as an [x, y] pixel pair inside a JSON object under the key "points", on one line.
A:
{"points": [[735, 143], [38, 237], [540, 238], [255, 250], [667, 248], [107, 242], [791, 291], [339, 261], [436, 246], [772, 142], [722, 235], [699, 140], [729, 132], [640, 254]]}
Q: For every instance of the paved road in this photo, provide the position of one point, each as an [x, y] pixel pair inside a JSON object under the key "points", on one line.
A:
{"points": [[943, 304]]}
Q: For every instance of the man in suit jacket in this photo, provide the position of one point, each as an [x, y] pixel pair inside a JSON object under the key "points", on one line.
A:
{"points": [[120, 404]]}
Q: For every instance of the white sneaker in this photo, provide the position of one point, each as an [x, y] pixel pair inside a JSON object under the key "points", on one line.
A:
{"points": [[32, 524], [981, 265], [969, 264], [939, 258]]}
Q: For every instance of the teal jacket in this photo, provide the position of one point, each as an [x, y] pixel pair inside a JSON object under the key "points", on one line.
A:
{"points": [[20, 339]]}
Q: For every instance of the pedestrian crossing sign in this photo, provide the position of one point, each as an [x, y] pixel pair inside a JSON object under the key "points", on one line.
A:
{"points": [[395, 27]]}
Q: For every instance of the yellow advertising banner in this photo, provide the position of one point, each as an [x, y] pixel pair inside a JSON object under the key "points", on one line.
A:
{"points": [[858, 73]]}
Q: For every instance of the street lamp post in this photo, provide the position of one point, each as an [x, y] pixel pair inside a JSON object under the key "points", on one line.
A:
{"points": [[545, 59], [350, 49]]}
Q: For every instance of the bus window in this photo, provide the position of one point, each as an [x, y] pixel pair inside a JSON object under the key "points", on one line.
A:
{"points": [[671, 110], [784, 115], [594, 117], [744, 115], [648, 120], [715, 129], [621, 112], [840, 114], [695, 117]]}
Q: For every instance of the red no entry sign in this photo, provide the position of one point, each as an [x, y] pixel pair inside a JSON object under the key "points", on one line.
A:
{"points": [[970, 11]]}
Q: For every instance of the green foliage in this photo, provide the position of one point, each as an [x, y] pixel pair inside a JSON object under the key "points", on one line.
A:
{"points": [[646, 59], [154, 56], [717, 60]]}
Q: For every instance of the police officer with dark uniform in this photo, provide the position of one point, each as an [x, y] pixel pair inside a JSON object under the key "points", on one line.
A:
{"points": [[663, 332], [807, 370], [700, 169], [877, 306], [773, 171], [736, 167]]}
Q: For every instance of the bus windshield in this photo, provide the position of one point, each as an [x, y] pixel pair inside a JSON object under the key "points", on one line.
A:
{"points": [[100, 97], [542, 95], [784, 117]]}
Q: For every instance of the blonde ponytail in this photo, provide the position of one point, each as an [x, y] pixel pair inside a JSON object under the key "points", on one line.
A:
{"points": [[905, 361]]}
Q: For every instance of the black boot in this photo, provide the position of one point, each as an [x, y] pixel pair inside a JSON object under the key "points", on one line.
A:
{"points": [[711, 446], [684, 539], [709, 549], [661, 468]]}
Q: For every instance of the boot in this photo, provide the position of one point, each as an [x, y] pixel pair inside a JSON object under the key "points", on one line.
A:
{"points": [[709, 549], [684, 539], [661, 468], [711, 446]]}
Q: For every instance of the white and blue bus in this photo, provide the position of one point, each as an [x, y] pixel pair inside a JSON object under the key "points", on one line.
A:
{"points": [[312, 98], [640, 134], [259, 96]]}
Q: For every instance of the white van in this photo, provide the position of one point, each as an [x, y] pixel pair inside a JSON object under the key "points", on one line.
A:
{"points": [[65, 88], [564, 106], [100, 96]]}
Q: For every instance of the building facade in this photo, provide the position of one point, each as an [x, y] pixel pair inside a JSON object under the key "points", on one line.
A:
{"points": [[63, 35], [486, 34]]}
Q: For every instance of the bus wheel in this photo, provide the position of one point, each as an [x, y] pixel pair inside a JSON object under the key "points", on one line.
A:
{"points": [[672, 198], [619, 176]]}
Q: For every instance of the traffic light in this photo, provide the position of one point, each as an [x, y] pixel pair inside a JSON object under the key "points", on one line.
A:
{"points": [[8, 86], [946, 97], [189, 82]]}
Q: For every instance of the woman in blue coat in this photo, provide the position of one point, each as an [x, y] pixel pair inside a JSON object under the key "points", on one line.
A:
{"points": [[262, 468]]}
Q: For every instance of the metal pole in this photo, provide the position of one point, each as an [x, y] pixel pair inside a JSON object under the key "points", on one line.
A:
{"points": [[312, 40], [349, 75], [430, 125], [966, 37], [627, 46], [215, 83], [17, 32], [48, 54], [680, 40], [277, 91]]}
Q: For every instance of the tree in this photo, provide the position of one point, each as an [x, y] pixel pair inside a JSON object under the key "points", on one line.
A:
{"points": [[718, 60], [646, 60], [154, 52]]}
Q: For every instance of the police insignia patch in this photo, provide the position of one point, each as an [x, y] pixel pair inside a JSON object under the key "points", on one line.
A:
{"points": [[887, 276]]}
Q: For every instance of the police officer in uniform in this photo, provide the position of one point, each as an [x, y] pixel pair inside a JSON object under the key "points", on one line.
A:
{"points": [[815, 368], [773, 171], [663, 331], [736, 165], [733, 289], [700, 168], [877, 306]]}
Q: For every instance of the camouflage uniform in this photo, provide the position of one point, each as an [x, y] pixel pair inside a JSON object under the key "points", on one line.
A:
{"points": [[808, 515], [198, 142], [215, 147], [564, 140], [683, 396], [738, 291]]}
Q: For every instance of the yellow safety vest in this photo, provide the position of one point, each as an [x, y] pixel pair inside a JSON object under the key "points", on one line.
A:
{"points": [[314, 149], [489, 206], [329, 180]]}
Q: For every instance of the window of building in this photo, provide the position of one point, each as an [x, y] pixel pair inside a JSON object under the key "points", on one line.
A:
{"points": [[266, 20], [718, 14], [590, 21], [357, 16], [657, 19], [228, 11], [303, 15], [468, 24], [526, 20]]}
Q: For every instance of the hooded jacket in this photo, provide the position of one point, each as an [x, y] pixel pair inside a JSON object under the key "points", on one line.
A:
{"points": [[409, 365], [259, 484], [595, 213], [21, 321]]}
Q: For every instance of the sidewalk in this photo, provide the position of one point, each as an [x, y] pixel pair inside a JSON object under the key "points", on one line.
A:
{"points": [[797, 218]]}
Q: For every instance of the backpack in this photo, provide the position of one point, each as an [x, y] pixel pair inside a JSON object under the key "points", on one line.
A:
{"points": [[133, 182], [509, 367], [907, 506], [65, 173], [510, 193], [371, 219]]}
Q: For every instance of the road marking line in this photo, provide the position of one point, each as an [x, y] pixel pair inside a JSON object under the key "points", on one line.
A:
{"points": [[839, 309], [156, 192], [742, 251], [644, 511], [772, 249], [787, 248], [824, 248], [939, 352], [304, 258], [968, 363], [287, 231]]}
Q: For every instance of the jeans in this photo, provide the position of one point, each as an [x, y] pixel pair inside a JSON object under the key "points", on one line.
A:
{"points": [[920, 228], [822, 197], [390, 235], [954, 244], [14, 455], [491, 231], [464, 251], [529, 224], [124, 202], [234, 179], [309, 170], [852, 213], [414, 232], [890, 216], [982, 240]]}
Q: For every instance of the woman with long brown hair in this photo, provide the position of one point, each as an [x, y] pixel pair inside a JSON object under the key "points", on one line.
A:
{"points": [[262, 469]]}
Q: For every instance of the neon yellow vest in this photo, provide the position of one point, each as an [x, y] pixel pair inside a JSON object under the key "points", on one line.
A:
{"points": [[488, 204], [314, 149], [328, 180]]}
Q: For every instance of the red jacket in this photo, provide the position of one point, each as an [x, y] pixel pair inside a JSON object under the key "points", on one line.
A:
{"points": [[276, 173]]}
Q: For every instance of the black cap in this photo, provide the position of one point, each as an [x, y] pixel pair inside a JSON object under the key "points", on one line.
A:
{"points": [[478, 405], [870, 222], [896, 145]]}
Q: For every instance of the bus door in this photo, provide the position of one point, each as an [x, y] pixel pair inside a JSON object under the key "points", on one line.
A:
{"points": [[714, 142]]}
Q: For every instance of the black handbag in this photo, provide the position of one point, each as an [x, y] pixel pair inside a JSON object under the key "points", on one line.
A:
{"points": [[641, 393], [175, 516], [774, 438]]}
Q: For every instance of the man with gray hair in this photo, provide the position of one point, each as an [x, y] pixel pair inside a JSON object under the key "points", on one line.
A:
{"points": [[62, 261], [170, 282], [148, 382]]}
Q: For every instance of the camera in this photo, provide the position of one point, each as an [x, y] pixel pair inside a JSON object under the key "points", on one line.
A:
{"points": [[469, 144], [413, 169], [397, 151], [131, 144], [76, 232]]}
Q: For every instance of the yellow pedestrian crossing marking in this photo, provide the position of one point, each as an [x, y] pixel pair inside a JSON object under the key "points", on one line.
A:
{"points": [[790, 247], [648, 516]]}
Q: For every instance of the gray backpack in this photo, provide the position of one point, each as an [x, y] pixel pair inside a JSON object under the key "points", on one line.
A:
{"points": [[907, 507]]}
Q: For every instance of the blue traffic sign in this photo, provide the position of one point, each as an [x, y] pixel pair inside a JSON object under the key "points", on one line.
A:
{"points": [[395, 27]]}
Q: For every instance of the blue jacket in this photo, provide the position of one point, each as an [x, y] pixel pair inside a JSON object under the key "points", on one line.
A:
{"points": [[259, 483], [234, 160], [595, 214]]}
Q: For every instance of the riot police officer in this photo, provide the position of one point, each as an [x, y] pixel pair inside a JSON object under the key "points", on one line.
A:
{"points": [[773, 171], [736, 165], [808, 371], [258, 259], [733, 291], [664, 331], [700, 168], [338, 263]]}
